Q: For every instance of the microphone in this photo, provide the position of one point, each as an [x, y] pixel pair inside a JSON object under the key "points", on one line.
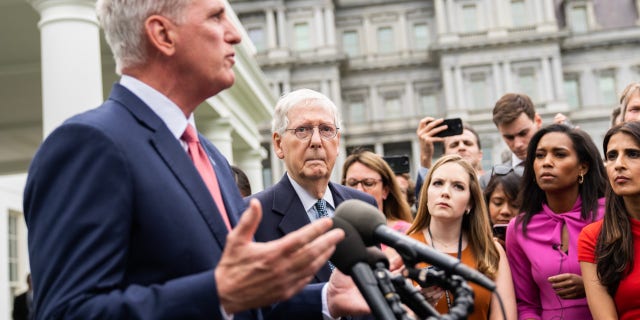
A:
{"points": [[371, 225], [350, 257], [376, 256]]}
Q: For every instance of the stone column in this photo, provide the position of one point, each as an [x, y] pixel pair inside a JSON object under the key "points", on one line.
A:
{"points": [[558, 81], [638, 11], [373, 98], [537, 12], [336, 93], [547, 80], [460, 101], [218, 131], [330, 27], [368, 38], [409, 101], [282, 28], [506, 69], [319, 26], [447, 78], [271, 29], [451, 17], [70, 57], [497, 83], [441, 20], [404, 32], [250, 161]]}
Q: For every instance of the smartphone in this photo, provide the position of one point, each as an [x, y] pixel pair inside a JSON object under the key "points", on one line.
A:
{"points": [[500, 231], [454, 127], [398, 164]]}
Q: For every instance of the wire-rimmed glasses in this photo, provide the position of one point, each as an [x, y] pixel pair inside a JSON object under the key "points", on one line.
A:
{"points": [[326, 130]]}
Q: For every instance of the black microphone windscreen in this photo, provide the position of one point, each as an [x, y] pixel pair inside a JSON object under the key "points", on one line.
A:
{"points": [[375, 256], [350, 250], [363, 216]]}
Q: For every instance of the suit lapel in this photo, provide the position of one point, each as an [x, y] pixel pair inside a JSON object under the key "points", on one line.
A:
{"points": [[176, 159], [294, 217]]}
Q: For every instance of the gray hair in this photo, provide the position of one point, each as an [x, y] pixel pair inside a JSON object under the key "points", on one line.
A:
{"points": [[298, 98], [123, 25]]}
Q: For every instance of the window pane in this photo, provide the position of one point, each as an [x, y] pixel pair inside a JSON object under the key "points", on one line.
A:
{"points": [[392, 106], [572, 90], [385, 40], [528, 85], [13, 247], [518, 13], [357, 112], [428, 105], [302, 38], [421, 36], [578, 19], [469, 18], [350, 43], [479, 93], [257, 37], [607, 89]]}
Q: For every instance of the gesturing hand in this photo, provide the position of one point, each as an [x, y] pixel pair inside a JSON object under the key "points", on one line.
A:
{"points": [[253, 274], [568, 285]]}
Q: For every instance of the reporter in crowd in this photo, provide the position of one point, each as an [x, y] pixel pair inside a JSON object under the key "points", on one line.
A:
{"points": [[563, 185]]}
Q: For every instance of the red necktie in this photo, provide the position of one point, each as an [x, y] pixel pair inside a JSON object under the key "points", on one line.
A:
{"points": [[202, 163]]}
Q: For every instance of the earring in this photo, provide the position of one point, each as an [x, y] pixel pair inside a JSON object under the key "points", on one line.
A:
{"points": [[581, 178], [467, 212]]}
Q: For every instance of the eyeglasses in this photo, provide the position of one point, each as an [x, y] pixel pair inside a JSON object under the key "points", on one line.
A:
{"points": [[327, 131], [367, 183], [502, 170]]}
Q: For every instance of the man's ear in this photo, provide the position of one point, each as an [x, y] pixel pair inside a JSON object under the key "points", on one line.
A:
{"points": [[276, 139], [537, 120], [160, 34]]}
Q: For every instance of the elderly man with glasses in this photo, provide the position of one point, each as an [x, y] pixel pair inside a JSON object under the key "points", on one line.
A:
{"points": [[306, 136]]}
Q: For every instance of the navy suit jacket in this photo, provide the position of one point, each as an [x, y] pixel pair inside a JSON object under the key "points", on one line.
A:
{"points": [[121, 225], [283, 212]]}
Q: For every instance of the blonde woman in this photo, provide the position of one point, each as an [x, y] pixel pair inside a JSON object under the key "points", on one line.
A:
{"points": [[452, 219]]}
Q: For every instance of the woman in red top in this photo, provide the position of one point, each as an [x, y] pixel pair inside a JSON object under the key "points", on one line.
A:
{"points": [[606, 249]]}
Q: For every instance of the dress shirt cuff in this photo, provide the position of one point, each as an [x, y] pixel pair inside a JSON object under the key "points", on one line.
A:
{"points": [[325, 305], [225, 315], [422, 171]]}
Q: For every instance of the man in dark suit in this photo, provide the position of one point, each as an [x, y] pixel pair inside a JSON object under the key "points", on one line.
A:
{"points": [[123, 223], [22, 303], [306, 135]]}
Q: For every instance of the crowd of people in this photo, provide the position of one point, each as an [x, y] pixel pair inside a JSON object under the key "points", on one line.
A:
{"points": [[132, 214]]}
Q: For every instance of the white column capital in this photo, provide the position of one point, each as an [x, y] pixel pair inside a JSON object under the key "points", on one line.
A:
{"points": [[71, 62], [65, 10]]}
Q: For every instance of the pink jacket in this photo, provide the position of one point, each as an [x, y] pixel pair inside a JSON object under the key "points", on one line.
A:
{"points": [[538, 256]]}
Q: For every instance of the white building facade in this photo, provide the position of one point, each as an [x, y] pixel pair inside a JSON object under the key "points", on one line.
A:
{"points": [[389, 63]]}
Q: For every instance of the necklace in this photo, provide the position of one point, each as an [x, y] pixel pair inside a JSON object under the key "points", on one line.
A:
{"points": [[446, 292]]}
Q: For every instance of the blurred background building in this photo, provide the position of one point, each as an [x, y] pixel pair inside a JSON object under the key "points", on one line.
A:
{"points": [[389, 63]]}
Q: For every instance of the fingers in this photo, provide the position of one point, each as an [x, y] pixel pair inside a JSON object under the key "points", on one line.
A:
{"points": [[248, 224]]}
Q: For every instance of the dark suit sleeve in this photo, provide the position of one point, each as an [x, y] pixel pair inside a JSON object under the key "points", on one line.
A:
{"points": [[78, 205]]}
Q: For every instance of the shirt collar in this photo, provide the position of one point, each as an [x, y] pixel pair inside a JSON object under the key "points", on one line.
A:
{"points": [[308, 201], [515, 161], [167, 110]]}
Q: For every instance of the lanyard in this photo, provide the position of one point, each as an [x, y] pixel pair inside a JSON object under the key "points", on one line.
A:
{"points": [[446, 293]]}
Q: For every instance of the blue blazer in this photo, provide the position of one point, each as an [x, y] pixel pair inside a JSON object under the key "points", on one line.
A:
{"points": [[121, 225], [282, 212]]}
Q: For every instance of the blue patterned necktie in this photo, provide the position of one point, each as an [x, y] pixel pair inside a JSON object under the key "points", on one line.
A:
{"points": [[321, 208]]}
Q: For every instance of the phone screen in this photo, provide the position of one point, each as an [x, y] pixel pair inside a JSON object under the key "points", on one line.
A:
{"points": [[500, 231]]}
